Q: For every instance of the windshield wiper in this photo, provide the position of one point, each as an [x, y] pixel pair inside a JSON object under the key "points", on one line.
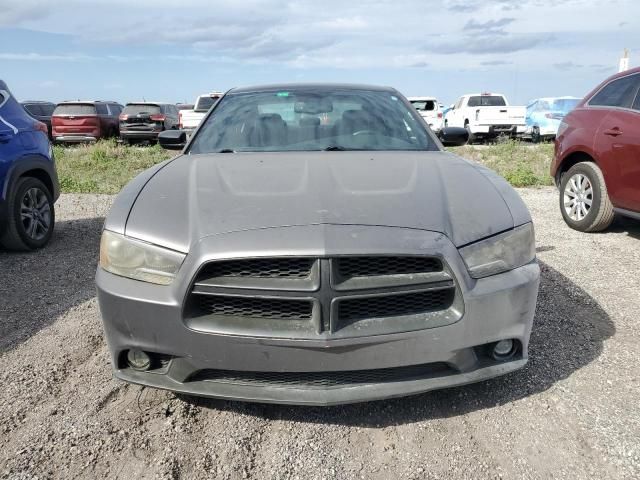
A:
{"points": [[226, 150], [335, 148]]}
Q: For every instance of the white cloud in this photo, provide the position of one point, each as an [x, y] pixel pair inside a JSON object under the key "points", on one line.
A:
{"points": [[38, 57], [434, 34]]}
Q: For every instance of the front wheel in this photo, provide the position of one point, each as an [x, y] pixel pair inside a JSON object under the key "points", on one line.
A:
{"points": [[472, 137], [535, 135], [31, 216], [584, 202]]}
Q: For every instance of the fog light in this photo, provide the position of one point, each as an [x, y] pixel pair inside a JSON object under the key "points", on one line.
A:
{"points": [[138, 360], [504, 349]]}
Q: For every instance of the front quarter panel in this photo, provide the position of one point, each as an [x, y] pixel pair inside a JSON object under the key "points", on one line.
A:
{"points": [[515, 204], [119, 213], [579, 136]]}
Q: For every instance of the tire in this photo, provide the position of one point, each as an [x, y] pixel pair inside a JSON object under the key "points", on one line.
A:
{"points": [[535, 135], [472, 137], [31, 196], [585, 183]]}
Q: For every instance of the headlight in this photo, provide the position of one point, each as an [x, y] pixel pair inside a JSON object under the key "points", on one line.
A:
{"points": [[139, 260], [500, 253]]}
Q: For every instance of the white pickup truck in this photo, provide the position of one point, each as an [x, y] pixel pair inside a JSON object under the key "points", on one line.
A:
{"points": [[429, 109], [190, 119], [486, 115]]}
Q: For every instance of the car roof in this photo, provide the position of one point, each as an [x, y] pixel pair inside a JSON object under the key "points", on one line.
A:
{"points": [[45, 102], [310, 86], [3, 86], [422, 99], [71, 102], [631, 71], [484, 94], [148, 103], [566, 97]]}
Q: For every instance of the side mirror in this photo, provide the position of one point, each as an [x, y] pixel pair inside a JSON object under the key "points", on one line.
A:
{"points": [[172, 139], [453, 136]]}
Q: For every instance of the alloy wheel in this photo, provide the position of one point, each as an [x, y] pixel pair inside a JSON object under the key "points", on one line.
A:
{"points": [[35, 213], [578, 197]]}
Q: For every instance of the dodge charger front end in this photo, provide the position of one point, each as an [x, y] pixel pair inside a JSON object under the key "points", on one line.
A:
{"points": [[313, 244]]}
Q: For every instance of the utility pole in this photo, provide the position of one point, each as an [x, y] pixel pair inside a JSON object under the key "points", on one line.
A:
{"points": [[624, 61]]}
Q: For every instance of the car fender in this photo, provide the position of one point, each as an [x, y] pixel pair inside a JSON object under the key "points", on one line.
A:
{"points": [[25, 164], [116, 221], [18, 168]]}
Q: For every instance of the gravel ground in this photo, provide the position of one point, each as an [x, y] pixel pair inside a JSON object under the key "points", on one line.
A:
{"points": [[571, 413]]}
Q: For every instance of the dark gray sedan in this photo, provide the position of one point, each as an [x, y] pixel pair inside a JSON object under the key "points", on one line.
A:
{"points": [[314, 244]]}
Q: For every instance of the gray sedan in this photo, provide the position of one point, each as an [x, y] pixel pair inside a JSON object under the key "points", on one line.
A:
{"points": [[314, 244]]}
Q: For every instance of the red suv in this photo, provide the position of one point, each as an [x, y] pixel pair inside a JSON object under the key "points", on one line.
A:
{"points": [[79, 121], [597, 155]]}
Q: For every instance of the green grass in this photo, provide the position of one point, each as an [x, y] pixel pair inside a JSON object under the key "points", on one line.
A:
{"points": [[106, 167], [522, 164]]}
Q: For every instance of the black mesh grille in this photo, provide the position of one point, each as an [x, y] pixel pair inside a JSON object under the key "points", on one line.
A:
{"points": [[372, 266], [322, 379], [260, 268], [256, 307], [395, 305]]}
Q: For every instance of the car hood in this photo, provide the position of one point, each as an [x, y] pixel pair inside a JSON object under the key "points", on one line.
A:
{"points": [[195, 196]]}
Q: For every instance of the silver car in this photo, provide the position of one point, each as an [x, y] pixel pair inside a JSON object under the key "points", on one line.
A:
{"points": [[314, 244]]}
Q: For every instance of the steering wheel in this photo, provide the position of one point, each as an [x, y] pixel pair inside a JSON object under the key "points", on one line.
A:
{"points": [[363, 132]]}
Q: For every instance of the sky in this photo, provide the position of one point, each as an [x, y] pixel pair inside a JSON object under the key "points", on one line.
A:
{"points": [[175, 50]]}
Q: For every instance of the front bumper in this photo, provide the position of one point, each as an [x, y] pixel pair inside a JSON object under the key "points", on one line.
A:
{"points": [[75, 139], [150, 318], [139, 134], [497, 130]]}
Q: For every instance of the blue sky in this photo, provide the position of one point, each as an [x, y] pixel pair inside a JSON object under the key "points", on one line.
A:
{"points": [[173, 51]]}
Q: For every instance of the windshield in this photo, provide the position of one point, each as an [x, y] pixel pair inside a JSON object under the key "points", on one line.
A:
{"points": [[312, 120], [564, 104], [424, 105], [75, 109], [487, 101], [205, 103], [139, 108]]}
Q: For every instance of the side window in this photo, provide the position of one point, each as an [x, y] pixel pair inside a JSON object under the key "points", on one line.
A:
{"points": [[33, 109], [619, 93], [458, 103], [636, 104], [101, 108]]}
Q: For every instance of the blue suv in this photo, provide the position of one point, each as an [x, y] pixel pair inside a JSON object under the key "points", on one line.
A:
{"points": [[28, 180]]}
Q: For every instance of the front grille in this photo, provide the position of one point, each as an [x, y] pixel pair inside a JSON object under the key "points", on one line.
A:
{"points": [[323, 379], [395, 305], [296, 268], [303, 297], [378, 266], [267, 308]]}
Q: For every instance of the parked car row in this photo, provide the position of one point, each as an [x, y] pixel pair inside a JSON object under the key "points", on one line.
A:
{"points": [[484, 115], [80, 121], [488, 115]]}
